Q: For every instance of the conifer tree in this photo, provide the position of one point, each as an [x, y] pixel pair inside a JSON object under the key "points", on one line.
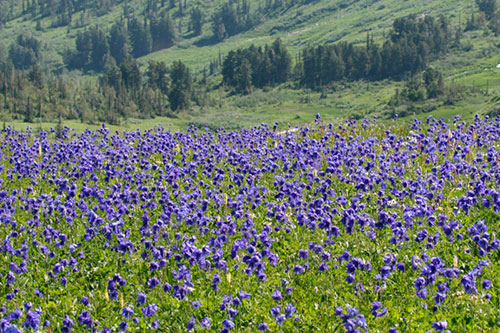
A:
{"points": [[140, 38], [179, 94], [196, 21], [118, 42]]}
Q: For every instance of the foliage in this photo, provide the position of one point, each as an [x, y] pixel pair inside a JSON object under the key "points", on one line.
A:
{"points": [[180, 87], [119, 44], [349, 227], [488, 7], [162, 31], [196, 21], [259, 67], [411, 45], [140, 38], [25, 52], [92, 51], [228, 22]]}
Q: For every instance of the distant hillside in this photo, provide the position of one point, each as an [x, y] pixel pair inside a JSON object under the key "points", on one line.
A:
{"points": [[238, 63], [202, 30]]}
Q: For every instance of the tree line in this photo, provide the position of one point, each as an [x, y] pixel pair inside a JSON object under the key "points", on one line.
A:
{"points": [[61, 12], [121, 92], [257, 67], [138, 35], [411, 44], [409, 47], [95, 49], [229, 21]]}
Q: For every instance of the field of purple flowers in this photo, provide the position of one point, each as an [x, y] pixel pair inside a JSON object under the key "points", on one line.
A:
{"points": [[348, 227]]}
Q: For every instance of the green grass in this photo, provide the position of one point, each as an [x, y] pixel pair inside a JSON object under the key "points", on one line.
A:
{"points": [[130, 125], [348, 24], [320, 22]]}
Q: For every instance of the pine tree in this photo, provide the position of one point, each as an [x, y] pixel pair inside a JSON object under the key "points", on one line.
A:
{"points": [[140, 38], [179, 94], [181, 8], [130, 73], [81, 57], [157, 76], [488, 7], [225, 22], [28, 115], [25, 52], [244, 77], [433, 81], [100, 49], [162, 32], [113, 77], [118, 42], [35, 75], [196, 21], [282, 62]]}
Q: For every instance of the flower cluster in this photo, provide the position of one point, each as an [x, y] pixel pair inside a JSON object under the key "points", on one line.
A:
{"points": [[394, 228]]}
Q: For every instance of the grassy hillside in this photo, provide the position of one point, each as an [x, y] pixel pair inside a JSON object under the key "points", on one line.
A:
{"points": [[320, 22], [471, 67]]}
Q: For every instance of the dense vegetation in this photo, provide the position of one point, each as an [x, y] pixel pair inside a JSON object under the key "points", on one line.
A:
{"points": [[257, 67], [349, 226], [124, 91], [120, 93], [324, 228], [411, 44], [409, 48]]}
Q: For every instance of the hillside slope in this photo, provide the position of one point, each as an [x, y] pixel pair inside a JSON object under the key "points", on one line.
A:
{"points": [[92, 94], [317, 22]]}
